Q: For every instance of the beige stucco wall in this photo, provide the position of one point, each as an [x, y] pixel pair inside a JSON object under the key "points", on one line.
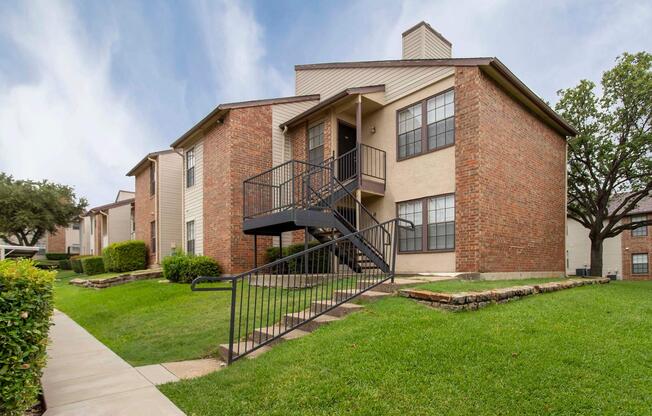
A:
{"points": [[170, 191], [578, 249], [119, 224], [426, 175], [193, 208]]}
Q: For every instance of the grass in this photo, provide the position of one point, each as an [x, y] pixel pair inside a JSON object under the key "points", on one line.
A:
{"points": [[581, 351], [477, 285]]}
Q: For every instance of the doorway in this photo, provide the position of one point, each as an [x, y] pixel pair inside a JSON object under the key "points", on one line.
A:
{"points": [[346, 141]]}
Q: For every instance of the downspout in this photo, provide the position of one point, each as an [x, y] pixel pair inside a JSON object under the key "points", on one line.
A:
{"points": [[156, 221]]}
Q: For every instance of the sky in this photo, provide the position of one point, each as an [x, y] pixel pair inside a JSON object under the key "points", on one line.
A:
{"points": [[88, 88]]}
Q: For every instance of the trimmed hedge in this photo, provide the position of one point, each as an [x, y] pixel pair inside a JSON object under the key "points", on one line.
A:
{"points": [[75, 263], [65, 265], [57, 256], [125, 256], [317, 262], [92, 265], [25, 309], [46, 264], [183, 268]]}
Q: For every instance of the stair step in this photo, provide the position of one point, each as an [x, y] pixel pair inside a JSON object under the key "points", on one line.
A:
{"points": [[300, 318], [341, 295], [388, 286], [339, 311], [261, 335], [240, 348]]}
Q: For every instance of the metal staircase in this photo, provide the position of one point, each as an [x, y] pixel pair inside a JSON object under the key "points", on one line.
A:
{"points": [[355, 252]]}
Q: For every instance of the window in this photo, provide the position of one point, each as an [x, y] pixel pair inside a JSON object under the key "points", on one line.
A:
{"points": [[640, 231], [316, 144], [92, 224], [441, 223], [152, 230], [411, 240], [436, 127], [190, 168], [640, 264], [190, 237], [75, 225], [409, 131], [152, 179]]}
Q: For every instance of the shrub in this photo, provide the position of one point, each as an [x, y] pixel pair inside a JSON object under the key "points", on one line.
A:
{"points": [[184, 268], [75, 263], [25, 309], [92, 265], [57, 256], [46, 264], [125, 256], [65, 264], [317, 262]]}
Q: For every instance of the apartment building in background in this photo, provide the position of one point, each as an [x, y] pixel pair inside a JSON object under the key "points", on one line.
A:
{"points": [[157, 211], [459, 146], [626, 256], [65, 239], [107, 224]]}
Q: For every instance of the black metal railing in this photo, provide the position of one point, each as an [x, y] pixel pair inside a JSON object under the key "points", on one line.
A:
{"points": [[272, 300], [373, 162]]}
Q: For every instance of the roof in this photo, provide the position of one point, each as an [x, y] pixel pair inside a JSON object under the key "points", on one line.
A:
{"points": [[492, 66], [643, 207], [347, 92], [427, 26], [109, 206], [135, 169], [222, 109]]}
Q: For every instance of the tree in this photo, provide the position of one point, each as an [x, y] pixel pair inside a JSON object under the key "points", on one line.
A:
{"points": [[29, 209], [610, 160]]}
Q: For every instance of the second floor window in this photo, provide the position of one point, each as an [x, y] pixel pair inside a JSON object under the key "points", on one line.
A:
{"points": [[316, 144], [152, 230], [409, 131], [190, 168], [152, 179], [640, 231], [190, 237]]}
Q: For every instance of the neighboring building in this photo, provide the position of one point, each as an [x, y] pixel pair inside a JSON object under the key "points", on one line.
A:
{"points": [[107, 224], [626, 256], [461, 147], [157, 218], [65, 240]]}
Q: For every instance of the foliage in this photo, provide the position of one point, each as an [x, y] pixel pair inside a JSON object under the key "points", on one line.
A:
{"points": [[75, 263], [92, 265], [57, 256], [125, 256], [25, 309], [317, 262], [183, 268], [65, 264], [46, 264], [30, 209], [610, 160]]}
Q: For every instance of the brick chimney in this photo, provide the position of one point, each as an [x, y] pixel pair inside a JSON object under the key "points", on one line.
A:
{"points": [[421, 41]]}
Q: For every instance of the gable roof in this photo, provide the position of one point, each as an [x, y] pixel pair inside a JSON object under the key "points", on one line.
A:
{"points": [[97, 209], [222, 109], [643, 207], [140, 164]]}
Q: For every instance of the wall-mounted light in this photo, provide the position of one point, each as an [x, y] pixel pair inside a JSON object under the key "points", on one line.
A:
{"points": [[373, 129]]}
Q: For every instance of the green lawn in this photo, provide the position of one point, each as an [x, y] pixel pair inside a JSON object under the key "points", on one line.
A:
{"points": [[586, 350], [477, 285]]}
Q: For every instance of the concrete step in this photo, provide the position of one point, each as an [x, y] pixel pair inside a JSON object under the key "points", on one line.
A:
{"points": [[261, 335], [340, 295], [339, 311], [240, 348], [301, 318], [388, 286]]}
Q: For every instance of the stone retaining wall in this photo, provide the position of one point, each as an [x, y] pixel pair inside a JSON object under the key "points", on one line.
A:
{"points": [[117, 280], [464, 301]]}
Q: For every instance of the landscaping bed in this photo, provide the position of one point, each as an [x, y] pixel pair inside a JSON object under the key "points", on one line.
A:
{"points": [[114, 280]]}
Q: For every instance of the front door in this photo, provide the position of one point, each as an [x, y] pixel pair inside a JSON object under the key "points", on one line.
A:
{"points": [[346, 166]]}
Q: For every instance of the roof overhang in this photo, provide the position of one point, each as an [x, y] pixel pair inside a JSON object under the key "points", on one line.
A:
{"points": [[96, 210], [143, 161]]}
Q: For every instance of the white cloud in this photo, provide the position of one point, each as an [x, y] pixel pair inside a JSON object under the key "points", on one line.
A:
{"points": [[234, 43], [67, 123]]}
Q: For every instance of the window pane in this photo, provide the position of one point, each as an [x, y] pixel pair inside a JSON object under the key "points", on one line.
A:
{"points": [[640, 231], [409, 131], [441, 223], [640, 263], [441, 120], [411, 240]]}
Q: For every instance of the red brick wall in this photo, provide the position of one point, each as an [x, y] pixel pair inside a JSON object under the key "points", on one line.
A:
{"points": [[57, 241], [144, 211], [239, 148], [510, 182], [635, 245]]}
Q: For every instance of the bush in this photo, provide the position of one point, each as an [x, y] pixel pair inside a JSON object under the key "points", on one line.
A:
{"points": [[25, 309], [75, 263], [46, 264], [65, 264], [317, 262], [125, 256], [92, 265], [57, 256], [184, 268]]}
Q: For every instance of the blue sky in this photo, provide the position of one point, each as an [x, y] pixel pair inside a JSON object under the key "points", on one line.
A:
{"points": [[88, 87]]}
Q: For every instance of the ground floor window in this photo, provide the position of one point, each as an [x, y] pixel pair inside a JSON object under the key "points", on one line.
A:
{"points": [[152, 230], [190, 237], [438, 214], [640, 264]]}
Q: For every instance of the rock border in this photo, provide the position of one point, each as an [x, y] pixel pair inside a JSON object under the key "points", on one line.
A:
{"points": [[470, 301], [117, 280]]}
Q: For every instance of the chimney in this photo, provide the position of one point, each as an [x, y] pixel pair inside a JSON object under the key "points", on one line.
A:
{"points": [[421, 41]]}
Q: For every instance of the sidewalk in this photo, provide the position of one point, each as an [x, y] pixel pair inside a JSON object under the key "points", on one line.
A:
{"points": [[84, 377]]}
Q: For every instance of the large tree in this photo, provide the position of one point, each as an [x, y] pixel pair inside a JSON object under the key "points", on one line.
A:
{"points": [[610, 160], [30, 209]]}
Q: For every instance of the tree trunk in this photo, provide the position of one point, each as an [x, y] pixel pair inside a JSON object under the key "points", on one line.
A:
{"points": [[596, 257]]}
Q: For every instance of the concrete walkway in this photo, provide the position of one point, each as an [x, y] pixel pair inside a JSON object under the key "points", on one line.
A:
{"points": [[84, 377]]}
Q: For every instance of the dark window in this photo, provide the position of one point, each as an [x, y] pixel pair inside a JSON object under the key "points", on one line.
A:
{"points": [[640, 263], [409, 131], [640, 231], [438, 124], [75, 225], [316, 144], [190, 237], [190, 168], [152, 230], [441, 222], [411, 240], [152, 179]]}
